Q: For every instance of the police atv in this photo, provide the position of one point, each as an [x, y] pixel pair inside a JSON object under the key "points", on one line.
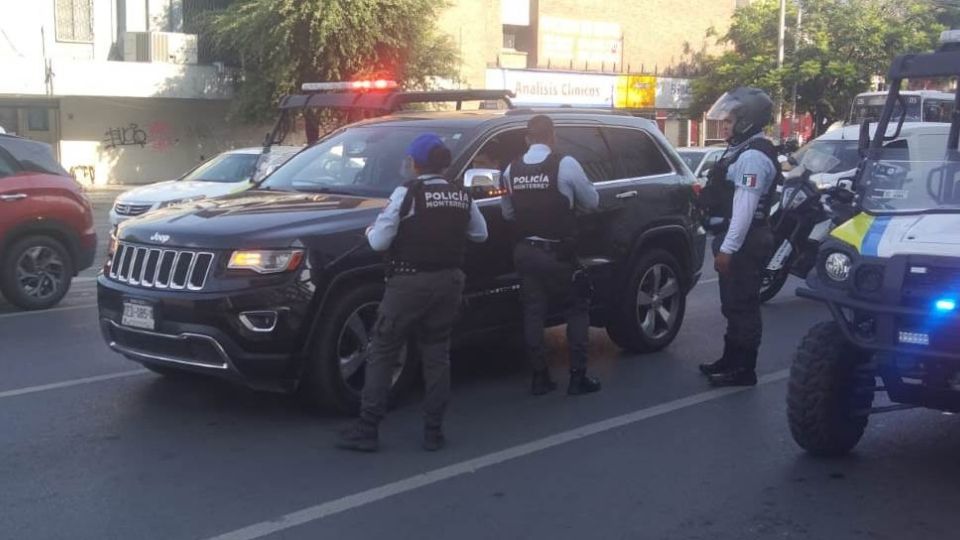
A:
{"points": [[891, 279]]}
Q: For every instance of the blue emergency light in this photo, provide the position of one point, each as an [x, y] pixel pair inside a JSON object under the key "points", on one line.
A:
{"points": [[946, 305]]}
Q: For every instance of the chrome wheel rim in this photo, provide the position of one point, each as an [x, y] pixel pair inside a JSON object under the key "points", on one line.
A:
{"points": [[658, 301], [353, 345], [40, 272]]}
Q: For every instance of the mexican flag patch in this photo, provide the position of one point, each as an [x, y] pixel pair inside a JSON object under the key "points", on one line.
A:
{"points": [[748, 180]]}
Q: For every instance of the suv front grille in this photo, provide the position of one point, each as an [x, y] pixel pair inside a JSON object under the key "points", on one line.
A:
{"points": [[159, 268], [131, 209]]}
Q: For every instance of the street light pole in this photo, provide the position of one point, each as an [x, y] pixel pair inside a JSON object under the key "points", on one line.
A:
{"points": [[796, 46]]}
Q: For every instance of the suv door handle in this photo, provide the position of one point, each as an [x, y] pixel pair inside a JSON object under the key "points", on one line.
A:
{"points": [[13, 197], [626, 194]]}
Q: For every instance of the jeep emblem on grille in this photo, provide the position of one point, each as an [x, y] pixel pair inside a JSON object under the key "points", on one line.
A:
{"points": [[162, 238]]}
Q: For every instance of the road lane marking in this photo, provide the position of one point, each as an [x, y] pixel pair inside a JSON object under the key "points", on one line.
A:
{"points": [[74, 382], [42, 311], [363, 498]]}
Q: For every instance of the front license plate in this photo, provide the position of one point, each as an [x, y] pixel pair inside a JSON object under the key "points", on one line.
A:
{"points": [[138, 315]]}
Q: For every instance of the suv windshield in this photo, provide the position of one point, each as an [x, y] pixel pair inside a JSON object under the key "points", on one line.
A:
{"points": [[225, 168], [364, 160], [846, 152], [923, 178]]}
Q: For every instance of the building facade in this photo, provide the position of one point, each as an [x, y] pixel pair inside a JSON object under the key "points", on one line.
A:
{"points": [[590, 53], [115, 86]]}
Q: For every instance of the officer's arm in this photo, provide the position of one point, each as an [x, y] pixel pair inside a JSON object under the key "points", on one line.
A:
{"points": [[573, 177], [752, 174], [384, 229], [477, 226], [506, 203]]}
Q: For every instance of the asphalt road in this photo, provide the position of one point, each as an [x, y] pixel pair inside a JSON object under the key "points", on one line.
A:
{"points": [[92, 446]]}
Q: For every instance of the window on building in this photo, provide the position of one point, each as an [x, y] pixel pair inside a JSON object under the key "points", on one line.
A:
{"points": [[509, 41], [38, 119], [74, 20], [635, 154], [588, 147]]}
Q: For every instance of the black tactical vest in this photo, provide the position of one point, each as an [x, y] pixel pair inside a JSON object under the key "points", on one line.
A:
{"points": [[540, 208], [434, 237], [716, 198]]}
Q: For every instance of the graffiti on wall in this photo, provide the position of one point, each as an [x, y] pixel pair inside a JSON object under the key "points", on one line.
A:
{"points": [[161, 136], [131, 135]]}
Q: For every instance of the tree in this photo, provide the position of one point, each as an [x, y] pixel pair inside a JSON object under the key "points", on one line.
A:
{"points": [[844, 43], [284, 43]]}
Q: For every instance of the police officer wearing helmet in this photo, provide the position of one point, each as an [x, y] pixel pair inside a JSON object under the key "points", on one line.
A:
{"points": [[424, 230], [544, 191], [736, 200]]}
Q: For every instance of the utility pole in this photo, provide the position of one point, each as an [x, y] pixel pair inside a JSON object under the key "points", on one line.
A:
{"points": [[778, 113], [796, 46]]}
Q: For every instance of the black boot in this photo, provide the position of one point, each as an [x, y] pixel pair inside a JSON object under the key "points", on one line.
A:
{"points": [[542, 383], [719, 365], [743, 372], [361, 436], [580, 383], [433, 439]]}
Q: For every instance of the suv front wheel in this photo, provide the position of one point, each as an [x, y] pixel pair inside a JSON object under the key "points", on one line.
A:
{"points": [[650, 311], [336, 367], [36, 272]]}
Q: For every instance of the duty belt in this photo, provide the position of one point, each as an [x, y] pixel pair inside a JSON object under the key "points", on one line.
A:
{"points": [[404, 268]]}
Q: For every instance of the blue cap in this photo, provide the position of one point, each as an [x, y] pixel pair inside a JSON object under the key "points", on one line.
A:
{"points": [[420, 148]]}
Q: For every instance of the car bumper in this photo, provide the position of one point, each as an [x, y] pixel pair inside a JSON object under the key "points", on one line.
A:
{"points": [[203, 332], [877, 326], [86, 252]]}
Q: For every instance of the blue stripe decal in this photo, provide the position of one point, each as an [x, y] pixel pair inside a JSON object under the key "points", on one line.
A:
{"points": [[871, 242]]}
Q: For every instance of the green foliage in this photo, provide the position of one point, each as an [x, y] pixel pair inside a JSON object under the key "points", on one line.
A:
{"points": [[843, 43], [283, 43]]}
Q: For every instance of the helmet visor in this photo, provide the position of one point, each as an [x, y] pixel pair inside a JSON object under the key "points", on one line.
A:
{"points": [[724, 107]]}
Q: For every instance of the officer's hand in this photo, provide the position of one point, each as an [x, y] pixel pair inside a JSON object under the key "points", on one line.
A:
{"points": [[721, 263]]}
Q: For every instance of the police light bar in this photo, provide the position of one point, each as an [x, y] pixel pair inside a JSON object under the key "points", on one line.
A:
{"points": [[949, 36], [379, 84]]}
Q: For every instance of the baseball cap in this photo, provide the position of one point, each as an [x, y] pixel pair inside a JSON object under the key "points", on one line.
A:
{"points": [[421, 147]]}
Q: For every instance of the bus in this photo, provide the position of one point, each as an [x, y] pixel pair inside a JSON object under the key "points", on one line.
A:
{"points": [[922, 106]]}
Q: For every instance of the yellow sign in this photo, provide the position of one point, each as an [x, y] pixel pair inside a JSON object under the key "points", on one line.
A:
{"points": [[635, 92]]}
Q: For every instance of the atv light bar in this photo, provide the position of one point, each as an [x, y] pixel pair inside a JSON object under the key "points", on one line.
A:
{"points": [[914, 338], [379, 84]]}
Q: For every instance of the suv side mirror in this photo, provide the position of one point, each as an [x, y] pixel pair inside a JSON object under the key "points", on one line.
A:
{"points": [[481, 178]]}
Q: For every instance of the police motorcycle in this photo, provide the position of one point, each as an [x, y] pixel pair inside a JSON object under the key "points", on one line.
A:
{"points": [[890, 277], [802, 219]]}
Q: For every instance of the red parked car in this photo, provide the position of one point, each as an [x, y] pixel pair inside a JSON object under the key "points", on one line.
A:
{"points": [[46, 225]]}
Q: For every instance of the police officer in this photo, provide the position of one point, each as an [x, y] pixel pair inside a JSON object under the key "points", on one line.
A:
{"points": [[740, 189], [544, 191], [424, 229]]}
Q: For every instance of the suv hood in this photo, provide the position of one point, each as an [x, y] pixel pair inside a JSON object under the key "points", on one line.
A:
{"points": [[173, 190], [929, 234], [252, 219]]}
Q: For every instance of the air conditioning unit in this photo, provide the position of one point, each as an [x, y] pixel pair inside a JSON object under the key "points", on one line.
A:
{"points": [[168, 47]]}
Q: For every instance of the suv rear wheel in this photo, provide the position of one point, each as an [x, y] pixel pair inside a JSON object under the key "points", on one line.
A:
{"points": [[36, 272], [336, 372], [650, 311]]}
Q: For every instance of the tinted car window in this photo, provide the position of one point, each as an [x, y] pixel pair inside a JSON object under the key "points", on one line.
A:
{"points": [[33, 156], [692, 158], [588, 147], [366, 160], [635, 154], [7, 167]]}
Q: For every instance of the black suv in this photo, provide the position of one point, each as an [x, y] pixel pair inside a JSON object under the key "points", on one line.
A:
{"points": [[277, 288]]}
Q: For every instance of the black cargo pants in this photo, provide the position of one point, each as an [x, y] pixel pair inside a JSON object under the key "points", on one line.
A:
{"points": [[424, 305], [547, 281], [740, 292]]}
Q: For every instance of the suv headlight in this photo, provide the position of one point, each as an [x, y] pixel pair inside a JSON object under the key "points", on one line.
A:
{"points": [[266, 261], [838, 266]]}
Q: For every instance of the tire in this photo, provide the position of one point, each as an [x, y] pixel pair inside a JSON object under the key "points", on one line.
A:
{"points": [[770, 285], [35, 273], [830, 383], [653, 287], [333, 377]]}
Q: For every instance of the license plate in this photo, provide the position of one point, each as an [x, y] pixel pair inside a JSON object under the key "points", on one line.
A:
{"points": [[138, 315]]}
